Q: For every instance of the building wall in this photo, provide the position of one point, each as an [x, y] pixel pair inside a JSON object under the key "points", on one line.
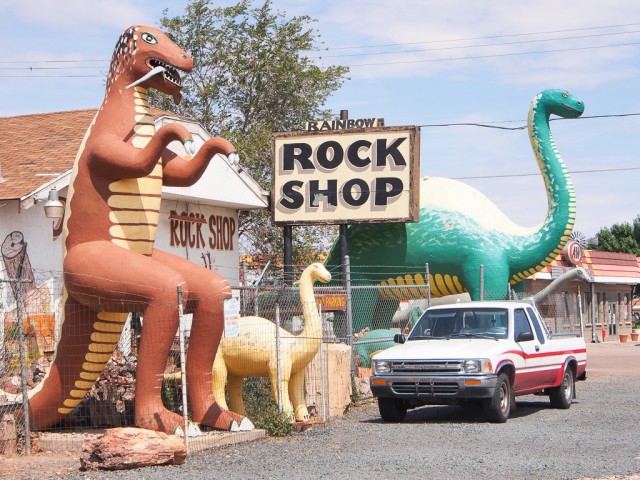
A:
{"points": [[612, 306], [212, 244]]}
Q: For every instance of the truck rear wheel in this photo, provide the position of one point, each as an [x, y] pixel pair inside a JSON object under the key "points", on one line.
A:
{"points": [[497, 408], [562, 396], [392, 409]]}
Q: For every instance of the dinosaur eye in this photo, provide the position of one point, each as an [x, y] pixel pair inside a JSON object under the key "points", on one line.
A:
{"points": [[565, 95], [148, 38]]}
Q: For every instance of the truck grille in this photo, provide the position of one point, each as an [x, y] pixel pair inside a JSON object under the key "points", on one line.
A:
{"points": [[433, 367], [425, 388]]}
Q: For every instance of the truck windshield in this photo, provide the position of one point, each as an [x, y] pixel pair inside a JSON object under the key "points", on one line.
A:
{"points": [[461, 323]]}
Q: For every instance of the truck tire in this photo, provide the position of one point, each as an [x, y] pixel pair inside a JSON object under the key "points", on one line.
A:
{"points": [[497, 408], [562, 396], [392, 409]]}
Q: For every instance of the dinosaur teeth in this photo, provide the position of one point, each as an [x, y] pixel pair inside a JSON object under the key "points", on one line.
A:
{"points": [[170, 73]]}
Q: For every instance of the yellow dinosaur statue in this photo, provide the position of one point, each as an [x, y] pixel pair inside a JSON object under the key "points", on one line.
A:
{"points": [[253, 353]]}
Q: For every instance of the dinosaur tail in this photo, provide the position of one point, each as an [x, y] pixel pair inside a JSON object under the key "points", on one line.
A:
{"points": [[87, 341]]}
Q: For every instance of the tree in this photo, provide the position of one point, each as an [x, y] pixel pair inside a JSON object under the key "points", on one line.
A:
{"points": [[252, 77], [621, 237]]}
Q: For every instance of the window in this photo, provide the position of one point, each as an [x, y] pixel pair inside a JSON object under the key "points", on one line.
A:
{"points": [[520, 323], [536, 324]]}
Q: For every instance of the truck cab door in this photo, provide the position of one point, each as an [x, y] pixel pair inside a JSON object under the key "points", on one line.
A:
{"points": [[537, 372]]}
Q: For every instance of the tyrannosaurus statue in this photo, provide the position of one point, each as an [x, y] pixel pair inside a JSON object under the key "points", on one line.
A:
{"points": [[110, 264], [460, 229]]}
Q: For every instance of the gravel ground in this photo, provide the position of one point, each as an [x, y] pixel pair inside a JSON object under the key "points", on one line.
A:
{"points": [[596, 438]]}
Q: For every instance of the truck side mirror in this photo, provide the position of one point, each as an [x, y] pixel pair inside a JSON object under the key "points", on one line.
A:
{"points": [[399, 338], [525, 337]]}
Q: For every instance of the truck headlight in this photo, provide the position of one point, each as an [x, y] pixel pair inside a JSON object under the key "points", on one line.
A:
{"points": [[381, 367], [482, 365]]}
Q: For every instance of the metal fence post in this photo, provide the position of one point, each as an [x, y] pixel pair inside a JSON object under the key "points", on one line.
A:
{"points": [[278, 371], [426, 268], [23, 361], [481, 281], [183, 363], [244, 284], [347, 274]]}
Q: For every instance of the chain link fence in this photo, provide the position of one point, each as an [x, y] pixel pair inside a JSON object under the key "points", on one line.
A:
{"points": [[327, 338]]}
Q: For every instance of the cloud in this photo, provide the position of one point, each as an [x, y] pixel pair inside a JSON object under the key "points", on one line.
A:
{"points": [[437, 36], [79, 15]]}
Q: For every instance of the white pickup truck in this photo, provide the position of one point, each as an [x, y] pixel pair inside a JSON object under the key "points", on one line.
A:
{"points": [[478, 352]]}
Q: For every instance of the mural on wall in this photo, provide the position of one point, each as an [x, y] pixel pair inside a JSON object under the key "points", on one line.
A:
{"points": [[110, 264], [460, 229], [38, 320], [253, 352]]}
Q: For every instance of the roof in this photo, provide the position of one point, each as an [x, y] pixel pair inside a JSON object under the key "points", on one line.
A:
{"points": [[607, 267], [37, 152], [24, 140]]}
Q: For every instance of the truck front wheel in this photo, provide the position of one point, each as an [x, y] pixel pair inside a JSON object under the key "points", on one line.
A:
{"points": [[392, 409], [498, 407], [562, 396]]}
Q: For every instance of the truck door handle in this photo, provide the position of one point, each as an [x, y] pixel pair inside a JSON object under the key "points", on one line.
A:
{"points": [[537, 348]]}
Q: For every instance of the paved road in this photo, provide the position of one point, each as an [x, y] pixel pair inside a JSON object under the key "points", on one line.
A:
{"points": [[596, 438]]}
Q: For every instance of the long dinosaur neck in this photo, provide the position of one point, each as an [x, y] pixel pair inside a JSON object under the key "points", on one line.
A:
{"points": [[312, 323], [537, 250]]}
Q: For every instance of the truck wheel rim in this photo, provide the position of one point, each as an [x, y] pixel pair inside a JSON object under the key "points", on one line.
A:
{"points": [[568, 386], [504, 399]]}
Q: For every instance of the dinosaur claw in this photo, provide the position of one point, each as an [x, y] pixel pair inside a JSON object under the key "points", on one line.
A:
{"points": [[192, 431], [233, 158], [189, 146], [246, 425]]}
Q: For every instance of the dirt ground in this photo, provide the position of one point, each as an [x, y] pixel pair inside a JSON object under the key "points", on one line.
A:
{"points": [[605, 361]]}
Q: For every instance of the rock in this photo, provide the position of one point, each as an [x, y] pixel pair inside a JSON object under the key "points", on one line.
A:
{"points": [[125, 448]]}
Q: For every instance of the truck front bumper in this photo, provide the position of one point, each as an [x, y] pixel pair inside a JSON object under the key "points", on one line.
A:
{"points": [[433, 387]]}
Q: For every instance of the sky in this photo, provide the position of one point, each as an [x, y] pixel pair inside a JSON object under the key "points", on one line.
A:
{"points": [[412, 62]]}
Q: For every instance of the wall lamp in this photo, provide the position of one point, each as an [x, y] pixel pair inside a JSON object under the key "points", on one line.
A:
{"points": [[54, 208]]}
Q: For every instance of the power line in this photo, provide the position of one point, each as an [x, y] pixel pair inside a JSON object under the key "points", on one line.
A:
{"points": [[51, 68], [573, 172], [404, 62], [50, 61], [482, 38], [475, 57], [521, 127], [464, 39], [519, 42], [51, 76]]}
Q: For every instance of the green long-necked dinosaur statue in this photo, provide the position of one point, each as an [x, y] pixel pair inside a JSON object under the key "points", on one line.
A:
{"points": [[460, 229]]}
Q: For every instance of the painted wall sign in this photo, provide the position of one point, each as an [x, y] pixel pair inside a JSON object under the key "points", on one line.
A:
{"points": [[328, 125], [203, 234], [196, 230], [346, 176]]}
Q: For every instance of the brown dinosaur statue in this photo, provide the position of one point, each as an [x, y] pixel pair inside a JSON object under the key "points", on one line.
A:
{"points": [[111, 267]]}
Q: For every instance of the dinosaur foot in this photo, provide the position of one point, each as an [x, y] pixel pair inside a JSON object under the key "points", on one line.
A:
{"points": [[161, 421], [220, 419]]}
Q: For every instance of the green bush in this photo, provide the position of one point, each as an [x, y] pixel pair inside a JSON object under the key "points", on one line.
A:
{"points": [[262, 410]]}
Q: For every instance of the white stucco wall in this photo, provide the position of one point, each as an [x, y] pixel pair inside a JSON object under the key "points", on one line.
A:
{"points": [[213, 244]]}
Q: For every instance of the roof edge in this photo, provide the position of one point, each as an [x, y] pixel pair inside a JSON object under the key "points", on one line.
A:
{"points": [[41, 193]]}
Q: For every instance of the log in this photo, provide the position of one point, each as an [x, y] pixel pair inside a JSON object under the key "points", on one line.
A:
{"points": [[337, 387], [126, 448], [8, 438]]}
